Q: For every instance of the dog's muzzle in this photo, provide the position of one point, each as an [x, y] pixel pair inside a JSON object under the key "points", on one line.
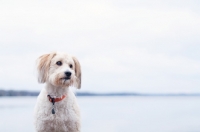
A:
{"points": [[67, 75]]}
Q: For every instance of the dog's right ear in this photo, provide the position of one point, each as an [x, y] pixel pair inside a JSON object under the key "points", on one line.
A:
{"points": [[77, 73], [43, 65]]}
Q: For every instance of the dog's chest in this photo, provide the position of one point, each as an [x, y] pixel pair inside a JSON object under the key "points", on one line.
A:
{"points": [[64, 119]]}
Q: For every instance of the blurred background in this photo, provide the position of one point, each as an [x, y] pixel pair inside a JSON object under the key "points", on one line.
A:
{"points": [[147, 48]]}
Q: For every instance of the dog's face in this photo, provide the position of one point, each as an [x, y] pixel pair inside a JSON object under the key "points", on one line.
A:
{"points": [[59, 69]]}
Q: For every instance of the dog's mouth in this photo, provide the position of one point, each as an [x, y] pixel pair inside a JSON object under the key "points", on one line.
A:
{"points": [[65, 78]]}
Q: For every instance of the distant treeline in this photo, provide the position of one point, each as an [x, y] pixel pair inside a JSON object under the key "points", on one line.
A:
{"points": [[17, 93], [36, 93], [136, 94]]}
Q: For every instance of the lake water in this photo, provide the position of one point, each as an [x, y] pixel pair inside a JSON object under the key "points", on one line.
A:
{"points": [[113, 114]]}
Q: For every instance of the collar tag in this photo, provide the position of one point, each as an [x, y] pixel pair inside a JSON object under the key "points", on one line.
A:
{"points": [[53, 100]]}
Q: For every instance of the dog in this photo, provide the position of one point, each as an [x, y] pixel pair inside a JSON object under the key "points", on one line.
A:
{"points": [[56, 108]]}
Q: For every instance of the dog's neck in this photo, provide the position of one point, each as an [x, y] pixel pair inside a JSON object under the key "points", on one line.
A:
{"points": [[56, 91]]}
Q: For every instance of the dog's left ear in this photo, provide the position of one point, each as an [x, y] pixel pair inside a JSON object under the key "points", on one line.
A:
{"points": [[77, 72]]}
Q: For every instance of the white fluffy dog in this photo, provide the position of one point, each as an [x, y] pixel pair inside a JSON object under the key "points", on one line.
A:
{"points": [[56, 109]]}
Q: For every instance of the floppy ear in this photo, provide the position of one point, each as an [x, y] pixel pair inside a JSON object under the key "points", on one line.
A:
{"points": [[43, 65], [77, 72]]}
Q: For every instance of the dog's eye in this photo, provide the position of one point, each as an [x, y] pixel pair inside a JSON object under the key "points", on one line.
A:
{"points": [[70, 65], [59, 63]]}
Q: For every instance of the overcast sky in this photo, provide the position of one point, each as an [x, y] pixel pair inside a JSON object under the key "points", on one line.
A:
{"points": [[122, 45]]}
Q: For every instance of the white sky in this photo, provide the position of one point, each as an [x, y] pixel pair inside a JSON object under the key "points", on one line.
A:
{"points": [[122, 45]]}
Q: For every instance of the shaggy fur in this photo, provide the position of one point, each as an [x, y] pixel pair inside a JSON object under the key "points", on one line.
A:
{"points": [[67, 114]]}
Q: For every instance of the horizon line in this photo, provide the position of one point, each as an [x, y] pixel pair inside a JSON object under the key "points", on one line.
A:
{"points": [[36, 93]]}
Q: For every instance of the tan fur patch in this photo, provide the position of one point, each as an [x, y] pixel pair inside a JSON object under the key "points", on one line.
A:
{"points": [[43, 66], [77, 72]]}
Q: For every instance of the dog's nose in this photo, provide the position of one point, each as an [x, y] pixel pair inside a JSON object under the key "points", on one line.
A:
{"points": [[68, 74]]}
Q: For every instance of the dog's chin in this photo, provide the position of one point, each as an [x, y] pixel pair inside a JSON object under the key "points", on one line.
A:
{"points": [[62, 82], [65, 81]]}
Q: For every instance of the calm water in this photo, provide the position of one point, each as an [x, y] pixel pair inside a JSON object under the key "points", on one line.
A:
{"points": [[113, 114]]}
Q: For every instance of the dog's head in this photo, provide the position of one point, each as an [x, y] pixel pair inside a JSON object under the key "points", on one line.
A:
{"points": [[59, 69]]}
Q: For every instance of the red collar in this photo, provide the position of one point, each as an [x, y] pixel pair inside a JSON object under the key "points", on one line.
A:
{"points": [[53, 100]]}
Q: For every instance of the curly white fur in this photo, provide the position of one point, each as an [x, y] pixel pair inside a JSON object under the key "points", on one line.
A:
{"points": [[67, 114]]}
